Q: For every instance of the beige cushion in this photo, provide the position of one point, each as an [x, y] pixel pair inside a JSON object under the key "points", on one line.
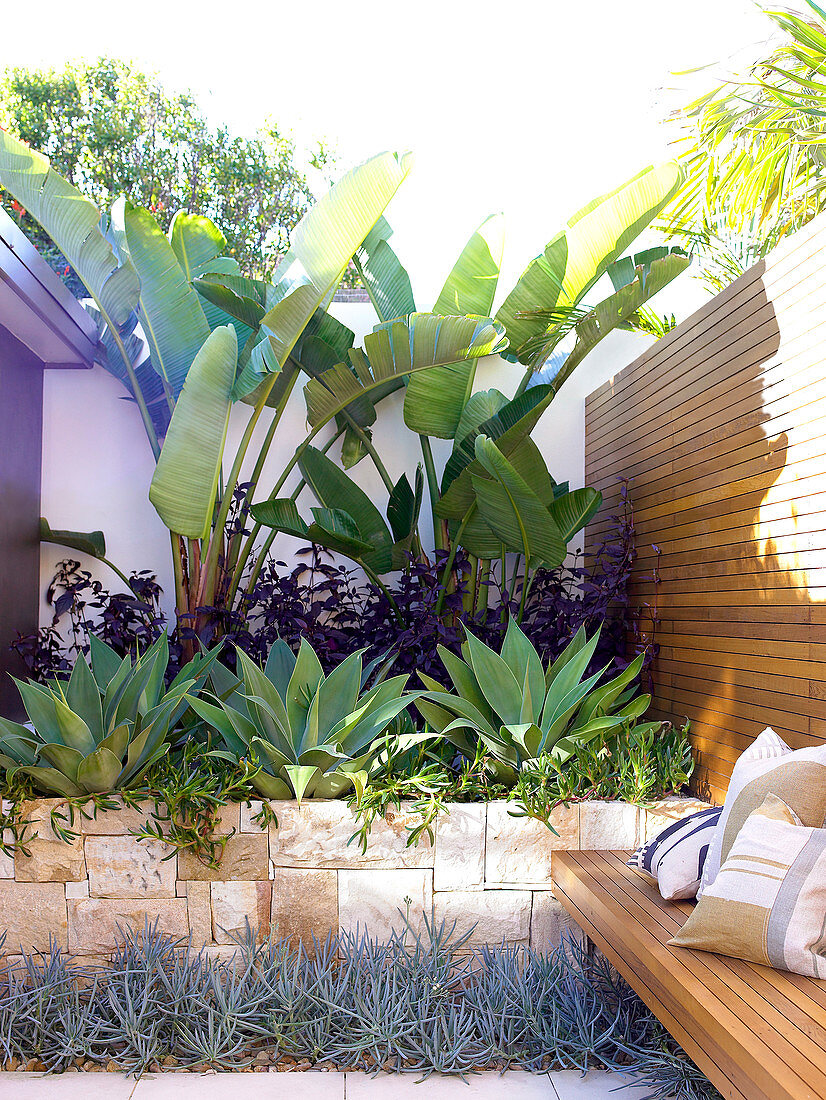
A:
{"points": [[768, 766], [768, 903]]}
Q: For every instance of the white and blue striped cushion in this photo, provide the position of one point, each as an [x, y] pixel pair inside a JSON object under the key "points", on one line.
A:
{"points": [[675, 857]]}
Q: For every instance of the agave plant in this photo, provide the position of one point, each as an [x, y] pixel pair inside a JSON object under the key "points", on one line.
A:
{"points": [[103, 728], [311, 734], [520, 710]]}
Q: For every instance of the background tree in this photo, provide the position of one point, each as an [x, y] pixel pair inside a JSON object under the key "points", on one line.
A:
{"points": [[754, 152], [111, 130]]}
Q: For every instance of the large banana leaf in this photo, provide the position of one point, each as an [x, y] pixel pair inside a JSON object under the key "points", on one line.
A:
{"points": [[73, 223], [335, 490], [170, 310], [186, 477], [321, 247], [434, 401], [513, 511], [619, 308], [196, 242], [92, 543], [574, 260], [386, 281], [395, 351]]}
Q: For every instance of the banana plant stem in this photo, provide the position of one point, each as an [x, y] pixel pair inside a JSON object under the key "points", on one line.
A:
{"points": [[451, 557], [526, 587], [206, 591], [244, 556], [433, 490], [235, 544], [367, 443]]}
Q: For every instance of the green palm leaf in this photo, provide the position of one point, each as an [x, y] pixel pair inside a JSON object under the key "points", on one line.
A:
{"points": [[321, 247], [386, 281]]}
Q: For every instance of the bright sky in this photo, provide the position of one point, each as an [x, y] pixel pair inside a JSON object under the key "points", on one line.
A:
{"points": [[524, 106]]}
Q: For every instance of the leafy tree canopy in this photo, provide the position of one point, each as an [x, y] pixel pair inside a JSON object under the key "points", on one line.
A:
{"points": [[112, 130]]}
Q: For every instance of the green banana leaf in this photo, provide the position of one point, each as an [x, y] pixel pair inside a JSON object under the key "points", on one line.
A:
{"points": [[186, 477], [170, 310], [73, 223], [321, 247], [434, 401], [571, 511], [513, 511], [92, 543], [395, 351], [573, 261], [384, 278], [619, 308]]}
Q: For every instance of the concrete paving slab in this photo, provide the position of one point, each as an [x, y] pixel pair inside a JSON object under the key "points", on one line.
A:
{"points": [[596, 1085], [303, 1085], [66, 1086], [515, 1085]]}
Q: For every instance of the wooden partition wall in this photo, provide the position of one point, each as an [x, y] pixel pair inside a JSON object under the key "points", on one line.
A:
{"points": [[721, 426]]}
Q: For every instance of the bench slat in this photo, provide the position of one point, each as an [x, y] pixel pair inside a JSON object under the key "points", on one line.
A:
{"points": [[753, 1032]]}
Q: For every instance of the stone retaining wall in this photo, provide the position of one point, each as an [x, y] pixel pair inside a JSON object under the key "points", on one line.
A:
{"points": [[303, 877]]}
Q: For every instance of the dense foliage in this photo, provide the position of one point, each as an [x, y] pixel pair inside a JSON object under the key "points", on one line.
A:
{"points": [[112, 130], [418, 1003], [752, 149]]}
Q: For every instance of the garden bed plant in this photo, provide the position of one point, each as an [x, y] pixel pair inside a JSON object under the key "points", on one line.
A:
{"points": [[418, 1003]]}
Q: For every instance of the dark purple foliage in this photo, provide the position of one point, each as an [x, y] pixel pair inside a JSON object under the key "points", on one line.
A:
{"points": [[338, 611]]}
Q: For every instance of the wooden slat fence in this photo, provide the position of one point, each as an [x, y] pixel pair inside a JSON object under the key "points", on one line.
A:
{"points": [[721, 426]]}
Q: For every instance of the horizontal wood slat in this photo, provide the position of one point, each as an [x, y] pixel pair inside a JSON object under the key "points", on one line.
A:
{"points": [[721, 426], [757, 1033]]}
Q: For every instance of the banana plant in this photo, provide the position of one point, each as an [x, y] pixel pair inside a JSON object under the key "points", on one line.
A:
{"points": [[311, 735], [101, 730], [542, 309], [518, 709]]}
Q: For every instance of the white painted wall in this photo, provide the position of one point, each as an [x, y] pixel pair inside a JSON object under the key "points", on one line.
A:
{"points": [[97, 464]]}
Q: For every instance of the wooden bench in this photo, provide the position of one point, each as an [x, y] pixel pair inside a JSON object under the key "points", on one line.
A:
{"points": [[757, 1033]]}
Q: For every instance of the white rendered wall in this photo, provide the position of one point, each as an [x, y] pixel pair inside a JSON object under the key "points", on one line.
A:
{"points": [[97, 464]]}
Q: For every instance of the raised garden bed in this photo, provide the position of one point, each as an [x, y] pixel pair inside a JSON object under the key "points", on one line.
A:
{"points": [[303, 877]]}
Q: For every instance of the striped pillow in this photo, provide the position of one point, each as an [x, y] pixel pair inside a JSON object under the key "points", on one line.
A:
{"points": [[768, 902], [768, 766], [675, 857]]}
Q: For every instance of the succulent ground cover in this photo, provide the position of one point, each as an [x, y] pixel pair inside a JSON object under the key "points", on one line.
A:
{"points": [[418, 1003]]}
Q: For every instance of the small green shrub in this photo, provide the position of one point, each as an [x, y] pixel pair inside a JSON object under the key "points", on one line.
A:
{"points": [[309, 734], [104, 728], [519, 710]]}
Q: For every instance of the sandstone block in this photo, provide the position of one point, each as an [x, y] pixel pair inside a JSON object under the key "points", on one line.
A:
{"points": [[236, 905], [7, 861], [317, 834], [199, 908], [247, 813], [30, 913], [304, 904], [125, 867], [608, 825], [378, 901], [118, 822], [50, 858], [95, 923], [549, 922], [659, 815], [489, 916], [518, 849], [77, 889], [459, 858], [245, 858]]}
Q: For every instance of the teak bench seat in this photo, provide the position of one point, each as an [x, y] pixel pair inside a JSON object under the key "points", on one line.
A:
{"points": [[757, 1033]]}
